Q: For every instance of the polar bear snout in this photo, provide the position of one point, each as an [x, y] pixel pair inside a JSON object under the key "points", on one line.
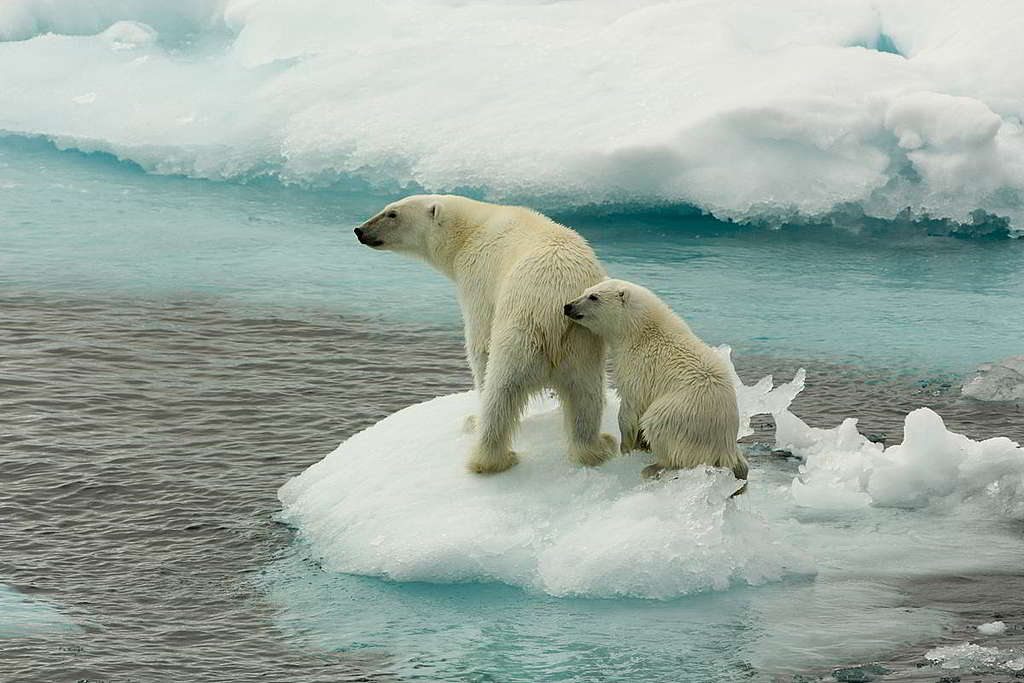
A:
{"points": [[570, 310], [364, 237]]}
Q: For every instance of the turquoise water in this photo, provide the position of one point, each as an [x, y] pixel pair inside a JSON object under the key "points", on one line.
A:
{"points": [[82, 231], [23, 616], [885, 297]]}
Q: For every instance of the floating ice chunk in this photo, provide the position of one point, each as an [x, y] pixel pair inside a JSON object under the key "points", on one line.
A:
{"points": [[999, 381], [762, 397], [397, 501], [843, 469], [992, 628], [964, 656]]}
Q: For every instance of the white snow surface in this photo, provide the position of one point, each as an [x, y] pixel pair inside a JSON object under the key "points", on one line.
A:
{"points": [[753, 111], [396, 501]]}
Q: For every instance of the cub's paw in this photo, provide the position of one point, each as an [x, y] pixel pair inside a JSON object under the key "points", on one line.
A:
{"points": [[653, 472], [594, 454], [492, 463]]}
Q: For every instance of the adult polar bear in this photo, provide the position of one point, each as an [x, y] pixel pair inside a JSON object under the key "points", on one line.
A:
{"points": [[514, 269]]}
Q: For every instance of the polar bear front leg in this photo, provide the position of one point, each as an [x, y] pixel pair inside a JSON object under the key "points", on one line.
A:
{"points": [[477, 333], [513, 371]]}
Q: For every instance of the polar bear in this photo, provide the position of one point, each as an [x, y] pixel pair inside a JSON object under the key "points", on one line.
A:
{"points": [[675, 391], [513, 268]]}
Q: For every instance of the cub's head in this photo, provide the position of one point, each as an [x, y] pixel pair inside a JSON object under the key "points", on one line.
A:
{"points": [[610, 307], [406, 225]]}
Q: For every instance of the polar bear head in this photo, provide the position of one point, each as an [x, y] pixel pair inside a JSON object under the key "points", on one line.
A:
{"points": [[410, 225], [612, 308]]}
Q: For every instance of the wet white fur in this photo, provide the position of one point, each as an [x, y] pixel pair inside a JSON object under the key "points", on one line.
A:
{"points": [[673, 386], [514, 270]]}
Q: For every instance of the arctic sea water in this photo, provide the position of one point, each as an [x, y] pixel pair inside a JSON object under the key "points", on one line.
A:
{"points": [[90, 225], [871, 248]]}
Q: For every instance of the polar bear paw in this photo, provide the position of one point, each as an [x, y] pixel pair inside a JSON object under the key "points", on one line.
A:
{"points": [[482, 463], [653, 472], [595, 454]]}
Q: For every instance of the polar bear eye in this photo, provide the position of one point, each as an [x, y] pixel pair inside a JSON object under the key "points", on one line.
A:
{"points": [[392, 214], [592, 297]]}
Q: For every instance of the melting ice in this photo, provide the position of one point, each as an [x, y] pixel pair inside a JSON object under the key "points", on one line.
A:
{"points": [[396, 501], [802, 572], [753, 111]]}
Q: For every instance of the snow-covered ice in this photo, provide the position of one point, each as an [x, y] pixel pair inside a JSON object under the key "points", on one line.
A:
{"points": [[752, 111], [396, 501]]}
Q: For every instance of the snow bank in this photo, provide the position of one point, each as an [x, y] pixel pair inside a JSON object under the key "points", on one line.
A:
{"points": [[767, 112]]}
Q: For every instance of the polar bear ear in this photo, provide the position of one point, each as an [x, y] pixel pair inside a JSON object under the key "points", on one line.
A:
{"points": [[623, 296], [435, 212]]}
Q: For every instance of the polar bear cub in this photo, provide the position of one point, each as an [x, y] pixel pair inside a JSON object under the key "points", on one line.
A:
{"points": [[676, 392], [513, 269]]}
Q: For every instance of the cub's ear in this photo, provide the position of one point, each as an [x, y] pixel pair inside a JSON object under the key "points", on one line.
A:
{"points": [[623, 296], [435, 212]]}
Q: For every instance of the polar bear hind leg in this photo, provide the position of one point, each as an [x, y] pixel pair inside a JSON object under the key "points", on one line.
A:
{"points": [[579, 382]]}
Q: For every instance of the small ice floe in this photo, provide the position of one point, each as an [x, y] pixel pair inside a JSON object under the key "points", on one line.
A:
{"points": [[970, 657], [992, 628], [396, 501], [964, 656], [1001, 380], [84, 98]]}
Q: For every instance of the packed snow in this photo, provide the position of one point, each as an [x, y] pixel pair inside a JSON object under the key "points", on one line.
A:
{"points": [[895, 109], [396, 501]]}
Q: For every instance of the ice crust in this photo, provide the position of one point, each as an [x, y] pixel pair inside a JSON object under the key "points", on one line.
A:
{"points": [[752, 111], [396, 501]]}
